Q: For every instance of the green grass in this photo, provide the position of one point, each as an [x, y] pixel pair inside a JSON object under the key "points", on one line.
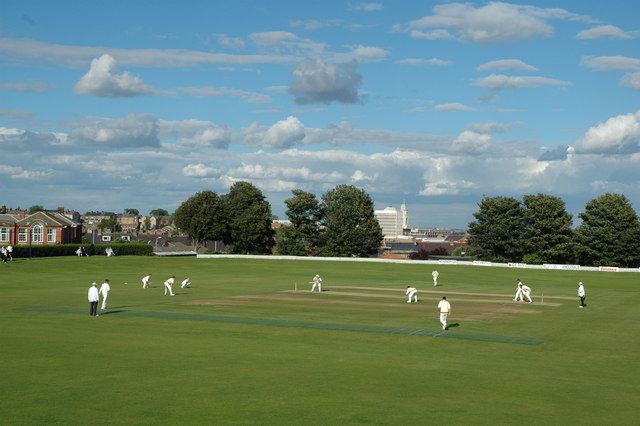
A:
{"points": [[240, 347]]}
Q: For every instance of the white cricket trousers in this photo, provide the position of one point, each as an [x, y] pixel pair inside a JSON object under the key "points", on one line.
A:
{"points": [[167, 288], [527, 297], [443, 319], [435, 281], [518, 295], [414, 295], [105, 296], [319, 285]]}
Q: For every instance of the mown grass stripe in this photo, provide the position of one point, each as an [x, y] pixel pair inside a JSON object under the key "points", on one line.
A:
{"points": [[301, 324]]}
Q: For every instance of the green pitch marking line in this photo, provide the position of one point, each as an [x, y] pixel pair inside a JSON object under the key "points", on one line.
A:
{"points": [[299, 324]]}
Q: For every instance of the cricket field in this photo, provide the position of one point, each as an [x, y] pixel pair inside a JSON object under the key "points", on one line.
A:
{"points": [[243, 346]]}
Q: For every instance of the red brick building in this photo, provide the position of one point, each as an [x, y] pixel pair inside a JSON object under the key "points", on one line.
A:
{"points": [[38, 228]]}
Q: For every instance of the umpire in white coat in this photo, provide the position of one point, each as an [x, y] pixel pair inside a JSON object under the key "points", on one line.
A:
{"points": [[94, 298]]}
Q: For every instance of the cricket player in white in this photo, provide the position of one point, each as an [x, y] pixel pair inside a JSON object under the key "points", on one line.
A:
{"points": [[10, 252], [146, 281], [518, 290], [445, 309], [317, 282], [581, 294], [526, 291], [185, 283], [412, 293], [94, 298], [105, 288], [435, 275], [167, 285]]}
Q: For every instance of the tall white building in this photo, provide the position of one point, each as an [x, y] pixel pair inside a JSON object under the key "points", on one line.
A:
{"points": [[390, 221]]}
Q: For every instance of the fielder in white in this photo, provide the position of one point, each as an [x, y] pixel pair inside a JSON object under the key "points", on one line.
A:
{"points": [[582, 295], [105, 288], [435, 275], [317, 282], [526, 292], [185, 283], [412, 293], [146, 281], [168, 285], [444, 308], [518, 295]]}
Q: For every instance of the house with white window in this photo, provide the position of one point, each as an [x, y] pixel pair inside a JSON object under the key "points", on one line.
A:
{"points": [[46, 228], [7, 229]]}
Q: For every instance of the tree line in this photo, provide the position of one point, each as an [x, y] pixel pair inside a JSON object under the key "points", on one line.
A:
{"points": [[342, 223], [538, 230]]}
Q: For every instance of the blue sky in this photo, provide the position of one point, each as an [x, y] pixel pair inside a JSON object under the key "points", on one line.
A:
{"points": [[111, 105]]}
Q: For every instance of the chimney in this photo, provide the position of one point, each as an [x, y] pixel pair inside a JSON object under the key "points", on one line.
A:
{"points": [[3, 209]]}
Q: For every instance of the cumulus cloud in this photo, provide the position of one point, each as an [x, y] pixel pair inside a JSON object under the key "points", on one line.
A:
{"points": [[133, 130], [424, 61], [199, 170], [452, 107], [506, 64], [493, 23], [284, 133], [471, 142], [367, 53], [631, 80], [619, 134], [501, 82], [317, 82], [213, 136], [603, 31], [102, 79]]}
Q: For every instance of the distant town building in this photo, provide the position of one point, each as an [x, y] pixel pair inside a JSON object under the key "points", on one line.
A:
{"points": [[38, 228], [390, 221], [128, 223]]}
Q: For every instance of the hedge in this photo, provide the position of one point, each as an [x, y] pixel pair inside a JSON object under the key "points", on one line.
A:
{"points": [[135, 249]]}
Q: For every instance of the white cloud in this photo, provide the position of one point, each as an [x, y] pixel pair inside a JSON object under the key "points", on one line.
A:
{"points": [[631, 80], [103, 80], [317, 82], [491, 127], [506, 64], [360, 176], [424, 61], [453, 107], [493, 23], [471, 142], [618, 134], [133, 130], [246, 96], [79, 56], [501, 81], [217, 137], [199, 170], [230, 42], [25, 86], [611, 63], [364, 53], [367, 7], [603, 31], [284, 133]]}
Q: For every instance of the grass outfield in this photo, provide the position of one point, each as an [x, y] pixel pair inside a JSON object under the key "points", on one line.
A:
{"points": [[241, 347]]}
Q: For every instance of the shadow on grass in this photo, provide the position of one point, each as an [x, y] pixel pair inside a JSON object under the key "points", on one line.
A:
{"points": [[455, 324], [117, 311]]}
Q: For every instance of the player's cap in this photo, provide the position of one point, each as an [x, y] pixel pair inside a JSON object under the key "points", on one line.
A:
{"points": [[580, 283], [94, 284]]}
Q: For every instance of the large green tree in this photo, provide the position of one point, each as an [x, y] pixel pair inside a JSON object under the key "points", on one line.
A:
{"points": [[201, 217], [548, 237], [158, 212], [111, 224], [351, 228], [303, 237], [609, 234], [135, 212], [497, 232], [36, 208], [248, 216]]}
